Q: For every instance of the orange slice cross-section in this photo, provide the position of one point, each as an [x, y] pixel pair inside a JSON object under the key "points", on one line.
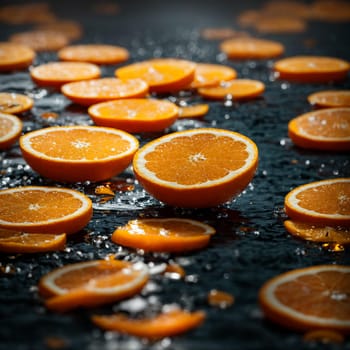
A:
{"points": [[15, 56], [14, 103], [330, 98], [194, 111], [10, 130]]}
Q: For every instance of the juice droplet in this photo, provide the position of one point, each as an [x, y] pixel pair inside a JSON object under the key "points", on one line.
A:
{"points": [[220, 299], [333, 247], [104, 189]]}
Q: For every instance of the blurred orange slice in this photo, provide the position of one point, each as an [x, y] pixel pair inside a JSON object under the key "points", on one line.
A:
{"points": [[10, 130], [13, 103], [330, 98], [15, 56]]}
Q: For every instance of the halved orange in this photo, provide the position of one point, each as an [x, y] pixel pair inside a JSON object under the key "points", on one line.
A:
{"points": [[15, 242], [315, 297], [164, 235], [135, 115], [78, 153], [161, 74], [183, 168], [59, 73], [238, 89], [13, 103], [10, 130], [92, 283], [15, 56], [318, 233], [330, 98], [104, 89], [193, 111], [94, 53], [165, 324], [322, 202], [44, 209], [251, 48], [208, 74], [326, 129], [312, 69]]}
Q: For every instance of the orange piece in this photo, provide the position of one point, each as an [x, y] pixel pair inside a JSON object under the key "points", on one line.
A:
{"points": [[251, 48], [323, 202], [324, 336], [172, 269], [15, 242], [104, 89], [217, 33], [92, 283], [312, 69], [317, 233], [71, 29], [164, 235], [238, 89], [221, 299], [10, 130], [135, 115], [183, 168], [78, 153], [248, 18], [331, 11], [15, 56], [331, 98], [270, 23], [286, 8], [161, 74], [309, 298], [193, 111], [166, 324], [44, 209], [207, 74], [14, 103], [59, 73], [327, 129], [94, 53], [40, 40]]}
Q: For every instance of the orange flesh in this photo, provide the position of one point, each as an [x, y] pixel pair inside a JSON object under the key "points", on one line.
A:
{"points": [[15, 56], [330, 98], [14, 103], [194, 111]]}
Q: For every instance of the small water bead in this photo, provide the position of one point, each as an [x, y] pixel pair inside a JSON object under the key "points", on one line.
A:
{"points": [[300, 251], [192, 278], [136, 304], [221, 57]]}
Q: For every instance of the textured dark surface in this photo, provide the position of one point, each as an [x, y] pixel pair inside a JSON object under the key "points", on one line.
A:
{"points": [[251, 244]]}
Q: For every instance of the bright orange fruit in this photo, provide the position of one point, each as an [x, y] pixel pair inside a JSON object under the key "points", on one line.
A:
{"points": [[10, 130], [13, 103], [15, 56], [193, 111], [330, 98]]}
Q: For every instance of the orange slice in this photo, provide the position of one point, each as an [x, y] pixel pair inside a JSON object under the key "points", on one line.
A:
{"points": [[183, 168], [333, 11], [161, 74], [164, 235], [10, 130], [327, 129], [309, 298], [238, 89], [324, 336], [44, 209], [92, 283], [21, 242], [193, 111], [78, 153], [105, 89], [316, 233], [248, 18], [331, 98], [166, 324], [322, 202], [287, 8], [59, 73], [15, 56], [41, 40], [13, 103], [71, 29], [273, 23], [94, 53], [218, 33], [135, 115], [207, 74], [251, 48], [312, 69]]}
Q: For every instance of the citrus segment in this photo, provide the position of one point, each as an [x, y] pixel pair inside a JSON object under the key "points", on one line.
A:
{"points": [[78, 153], [331, 98], [105, 89], [166, 324], [183, 168], [15, 56], [327, 129], [310, 298], [14, 103], [251, 48], [135, 115], [59, 73], [92, 283], [164, 235], [317, 233], [312, 69], [21, 242], [239, 89], [323, 202], [44, 209], [161, 74], [193, 111], [10, 130], [94, 53]]}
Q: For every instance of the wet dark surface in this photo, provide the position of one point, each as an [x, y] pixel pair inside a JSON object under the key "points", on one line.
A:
{"points": [[251, 244]]}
